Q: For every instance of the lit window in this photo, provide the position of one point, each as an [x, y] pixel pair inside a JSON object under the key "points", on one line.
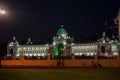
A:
{"points": [[8, 54], [17, 54], [88, 54], [106, 54], [44, 48], [38, 54], [91, 53], [35, 54], [33, 48], [30, 54], [26, 54], [24, 48], [115, 53], [41, 48], [43, 54], [37, 48], [80, 54], [76, 53], [28, 48]]}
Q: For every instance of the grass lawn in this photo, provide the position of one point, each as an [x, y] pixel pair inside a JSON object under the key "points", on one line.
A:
{"points": [[60, 74]]}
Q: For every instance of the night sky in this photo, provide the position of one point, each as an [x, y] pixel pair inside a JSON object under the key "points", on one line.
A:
{"points": [[40, 19]]}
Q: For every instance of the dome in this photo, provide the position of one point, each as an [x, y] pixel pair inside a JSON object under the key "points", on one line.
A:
{"points": [[61, 31]]}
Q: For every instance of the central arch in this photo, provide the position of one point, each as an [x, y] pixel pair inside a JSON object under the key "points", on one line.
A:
{"points": [[59, 49]]}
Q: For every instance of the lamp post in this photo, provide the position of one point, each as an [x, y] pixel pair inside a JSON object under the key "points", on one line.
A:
{"points": [[2, 12]]}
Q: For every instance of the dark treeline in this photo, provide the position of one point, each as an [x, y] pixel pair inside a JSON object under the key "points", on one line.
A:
{"points": [[3, 49]]}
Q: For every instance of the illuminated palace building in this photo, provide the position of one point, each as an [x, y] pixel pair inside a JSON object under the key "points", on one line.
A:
{"points": [[63, 45]]}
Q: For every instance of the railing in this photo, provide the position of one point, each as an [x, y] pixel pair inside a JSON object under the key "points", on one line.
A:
{"points": [[35, 57]]}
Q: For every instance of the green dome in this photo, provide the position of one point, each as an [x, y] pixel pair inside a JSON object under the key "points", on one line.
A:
{"points": [[61, 31]]}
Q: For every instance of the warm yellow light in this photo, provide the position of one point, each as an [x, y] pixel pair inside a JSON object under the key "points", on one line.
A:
{"points": [[2, 12]]}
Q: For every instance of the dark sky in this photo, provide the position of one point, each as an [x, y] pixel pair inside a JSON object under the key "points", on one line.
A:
{"points": [[40, 19]]}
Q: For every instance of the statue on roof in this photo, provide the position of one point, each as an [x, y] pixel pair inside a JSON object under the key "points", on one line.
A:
{"points": [[29, 41]]}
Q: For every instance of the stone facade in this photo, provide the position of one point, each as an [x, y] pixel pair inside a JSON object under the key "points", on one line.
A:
{"points": [[63, 45]]}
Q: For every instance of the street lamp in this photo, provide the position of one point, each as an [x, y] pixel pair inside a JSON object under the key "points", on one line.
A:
{"points": [[2, 12]]}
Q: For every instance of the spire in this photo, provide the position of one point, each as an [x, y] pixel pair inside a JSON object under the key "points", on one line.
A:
{"points": [[104, 38], [103, 34], [115, 20], [61, 25], [54, 38], [14, 39], [114, 39], [29, 41]]}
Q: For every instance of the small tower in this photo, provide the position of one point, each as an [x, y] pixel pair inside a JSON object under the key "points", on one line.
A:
{"points": [[29, 42], [114, 39], [12, 48], [104, 38], [14, 42]]}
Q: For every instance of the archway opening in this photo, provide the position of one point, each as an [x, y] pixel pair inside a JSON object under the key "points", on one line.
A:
{"points": [[59, 48]]}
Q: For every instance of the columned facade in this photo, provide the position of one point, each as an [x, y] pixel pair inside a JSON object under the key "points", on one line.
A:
{"points": [[63, 45]]}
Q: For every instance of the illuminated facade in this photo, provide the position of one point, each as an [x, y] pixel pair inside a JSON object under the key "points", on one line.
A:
{"points": [[15, 49], [63, 45]]}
